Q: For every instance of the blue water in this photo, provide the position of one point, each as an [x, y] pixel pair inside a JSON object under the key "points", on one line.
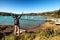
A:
{"points": [[25, 21]]}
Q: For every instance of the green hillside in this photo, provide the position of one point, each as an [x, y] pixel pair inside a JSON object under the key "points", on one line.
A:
{"points": [[55, 14]]}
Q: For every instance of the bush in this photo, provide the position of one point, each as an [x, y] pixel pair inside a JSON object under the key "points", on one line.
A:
{"points": [[9, 38]]}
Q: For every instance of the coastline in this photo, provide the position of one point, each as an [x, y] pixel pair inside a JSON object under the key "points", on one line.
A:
{"points": [[47, 24]]}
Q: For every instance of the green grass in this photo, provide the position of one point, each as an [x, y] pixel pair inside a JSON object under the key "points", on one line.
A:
{"points": [[51, 34], [42, 35]]}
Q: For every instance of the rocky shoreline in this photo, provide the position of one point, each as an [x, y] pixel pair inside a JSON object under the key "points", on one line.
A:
{"points": [[10, 28], [6, 28]]}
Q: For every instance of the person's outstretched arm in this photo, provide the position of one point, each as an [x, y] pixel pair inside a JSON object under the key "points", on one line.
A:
{"points": [[20, 16]]}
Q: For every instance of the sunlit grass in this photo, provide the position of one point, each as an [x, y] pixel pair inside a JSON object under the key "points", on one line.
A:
{"points": [[50, 35], [8, 38], [42, 35]]}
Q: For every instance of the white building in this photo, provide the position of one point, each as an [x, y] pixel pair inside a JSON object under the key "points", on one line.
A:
{"points": [[22, 30], [56, 20]]}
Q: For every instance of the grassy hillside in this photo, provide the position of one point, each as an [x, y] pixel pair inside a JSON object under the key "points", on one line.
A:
{"points": [[46, 31]]}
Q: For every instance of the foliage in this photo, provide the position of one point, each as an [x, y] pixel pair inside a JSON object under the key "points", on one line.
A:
{"points": [[42, 35], [55, 14]]}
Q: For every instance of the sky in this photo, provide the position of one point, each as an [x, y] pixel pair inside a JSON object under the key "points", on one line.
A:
{"points": [[28, 6]]}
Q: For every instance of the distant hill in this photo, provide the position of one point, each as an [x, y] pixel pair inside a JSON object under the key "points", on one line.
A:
{"points": [[55, 14], [5, 13]]}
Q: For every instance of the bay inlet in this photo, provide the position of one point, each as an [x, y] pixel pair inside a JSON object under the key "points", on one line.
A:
{"points": [[25, 21]]}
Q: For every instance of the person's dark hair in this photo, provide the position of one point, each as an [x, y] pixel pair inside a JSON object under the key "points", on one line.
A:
{"points": [[16, 15]]}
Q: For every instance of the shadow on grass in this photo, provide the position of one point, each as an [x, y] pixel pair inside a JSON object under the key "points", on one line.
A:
{"points": [[1, 36], [17, 38]]}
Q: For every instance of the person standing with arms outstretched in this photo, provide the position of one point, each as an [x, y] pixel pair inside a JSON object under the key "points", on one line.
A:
{"points": [[16, 25]]}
